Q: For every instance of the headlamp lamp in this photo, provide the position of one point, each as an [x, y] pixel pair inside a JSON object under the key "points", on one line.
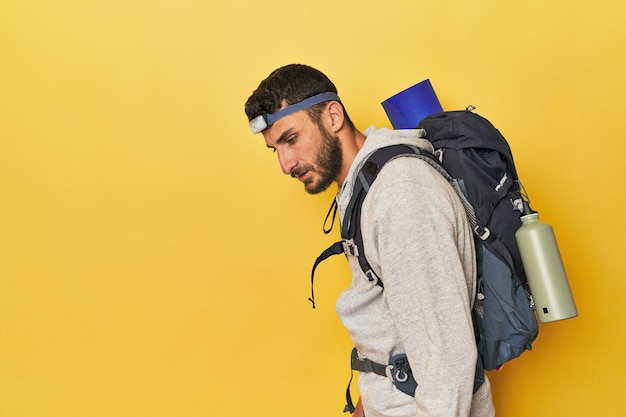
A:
{"points": [[262, 122]]}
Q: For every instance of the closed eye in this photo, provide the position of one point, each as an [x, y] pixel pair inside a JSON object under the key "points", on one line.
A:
{"points": [[288, 137]]}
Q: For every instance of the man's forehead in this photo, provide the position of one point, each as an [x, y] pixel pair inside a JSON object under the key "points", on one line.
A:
{"points": [[288, 125]]}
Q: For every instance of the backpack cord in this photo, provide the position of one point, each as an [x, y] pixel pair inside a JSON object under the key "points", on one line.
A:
{"points": [[335, 249], [333, 209]]}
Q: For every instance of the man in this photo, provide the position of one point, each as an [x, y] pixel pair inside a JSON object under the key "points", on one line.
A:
{"points": [[416, 238]]}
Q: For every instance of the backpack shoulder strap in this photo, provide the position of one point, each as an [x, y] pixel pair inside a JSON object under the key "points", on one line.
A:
{"points": [[351, 225], [351, 242], [334, 249]]}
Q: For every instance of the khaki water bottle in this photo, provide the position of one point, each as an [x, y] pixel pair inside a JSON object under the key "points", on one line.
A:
{"points": [[544, 269]]}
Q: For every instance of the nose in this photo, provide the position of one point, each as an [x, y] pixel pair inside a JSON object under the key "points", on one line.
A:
{"points": [[287, 161]]}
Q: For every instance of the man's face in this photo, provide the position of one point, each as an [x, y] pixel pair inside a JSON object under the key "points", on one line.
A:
{"points": [[305, 151]]}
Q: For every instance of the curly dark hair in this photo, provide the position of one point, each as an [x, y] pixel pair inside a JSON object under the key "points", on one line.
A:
{"points": [[292, 83]]}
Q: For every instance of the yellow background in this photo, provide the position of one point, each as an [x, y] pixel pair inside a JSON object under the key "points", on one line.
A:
{"points": [[155, 262]]}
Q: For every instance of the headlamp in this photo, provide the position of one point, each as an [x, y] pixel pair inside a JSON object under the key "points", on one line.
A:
{"points": [[262, 122]]}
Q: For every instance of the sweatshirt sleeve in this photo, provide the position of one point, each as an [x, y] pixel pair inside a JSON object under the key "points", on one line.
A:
{"points": [[420, 246]]}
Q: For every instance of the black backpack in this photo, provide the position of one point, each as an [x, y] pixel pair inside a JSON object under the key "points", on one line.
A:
{"points": [[476, 159]]}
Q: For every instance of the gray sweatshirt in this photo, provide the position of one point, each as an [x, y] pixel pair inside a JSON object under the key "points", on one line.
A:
{"points": [[418, 241]]}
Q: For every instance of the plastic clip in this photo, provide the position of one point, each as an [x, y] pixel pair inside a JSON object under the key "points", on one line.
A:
{"points": [[484, 235]]}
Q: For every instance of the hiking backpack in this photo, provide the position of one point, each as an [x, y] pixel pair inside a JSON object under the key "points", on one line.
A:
{"points": [[477, 161]]}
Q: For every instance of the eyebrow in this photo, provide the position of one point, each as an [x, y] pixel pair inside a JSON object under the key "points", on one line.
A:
{"points": [[283, 136]]}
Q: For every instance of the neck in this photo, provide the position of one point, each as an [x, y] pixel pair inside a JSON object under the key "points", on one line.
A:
{"points": [[350, 145]]}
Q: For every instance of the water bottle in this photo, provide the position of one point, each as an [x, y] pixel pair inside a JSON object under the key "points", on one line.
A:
{"points": [[544, 269]]}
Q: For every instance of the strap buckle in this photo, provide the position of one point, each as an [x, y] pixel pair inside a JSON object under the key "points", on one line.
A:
{"points": [[397, 377], [350, 248], [485, 233]]}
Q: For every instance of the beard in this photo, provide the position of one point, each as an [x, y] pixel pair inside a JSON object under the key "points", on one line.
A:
{"points": [[329, 160]]}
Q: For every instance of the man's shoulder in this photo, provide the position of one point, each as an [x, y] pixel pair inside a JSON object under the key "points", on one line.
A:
{"points": [[380, 138], [410, 168]]}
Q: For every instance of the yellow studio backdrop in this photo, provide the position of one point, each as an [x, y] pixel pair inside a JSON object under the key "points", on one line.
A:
{"points": [[154, 261]]}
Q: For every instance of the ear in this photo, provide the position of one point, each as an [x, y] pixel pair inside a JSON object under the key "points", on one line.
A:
{"points": [[337, 116]]}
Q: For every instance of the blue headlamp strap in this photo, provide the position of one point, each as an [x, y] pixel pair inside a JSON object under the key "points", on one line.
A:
{"points": [[262, 122]]}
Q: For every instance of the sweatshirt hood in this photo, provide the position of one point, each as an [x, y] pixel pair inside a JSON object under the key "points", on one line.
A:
{"points": [[376, 139]]}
